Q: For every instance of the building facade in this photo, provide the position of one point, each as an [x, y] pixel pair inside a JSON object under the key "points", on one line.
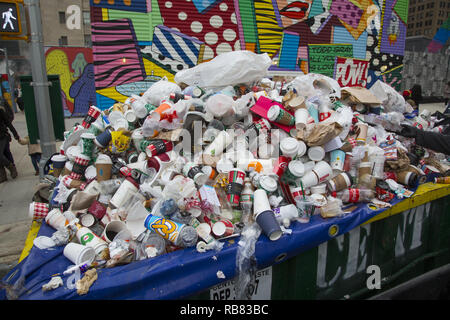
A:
{"points": [[66, 23], [426, 16]]}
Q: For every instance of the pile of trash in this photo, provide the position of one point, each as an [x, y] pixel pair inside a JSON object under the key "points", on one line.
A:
{"points": [[222, 150]]}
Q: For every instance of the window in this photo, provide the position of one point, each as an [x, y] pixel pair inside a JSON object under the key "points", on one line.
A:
{"points": [[86, 17], [87, 40], [62, 17], [63, 41]]}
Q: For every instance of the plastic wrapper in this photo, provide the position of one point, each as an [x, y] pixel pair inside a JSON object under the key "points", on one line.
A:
{"points": [[245, 260], [229, 68], [160, 90]]}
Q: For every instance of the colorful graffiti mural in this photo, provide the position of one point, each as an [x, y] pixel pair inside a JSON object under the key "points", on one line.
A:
{"points": [[75, 69], [166, 36]]}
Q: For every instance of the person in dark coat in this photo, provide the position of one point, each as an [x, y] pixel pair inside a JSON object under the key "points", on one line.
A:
{"points": [[5, 139], [435, 141], [416, 94]]}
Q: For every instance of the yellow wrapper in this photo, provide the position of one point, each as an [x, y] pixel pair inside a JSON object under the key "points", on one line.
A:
{"points": [[119, 142]]}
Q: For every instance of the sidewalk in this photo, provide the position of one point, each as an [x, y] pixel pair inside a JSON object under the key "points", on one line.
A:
{"points": [[15, 198]]}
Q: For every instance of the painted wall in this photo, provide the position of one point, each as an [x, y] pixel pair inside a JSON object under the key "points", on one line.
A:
{"points": [[75, 69], [162, 37]]}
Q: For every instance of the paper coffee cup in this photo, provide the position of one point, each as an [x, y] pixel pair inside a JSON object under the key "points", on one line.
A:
{"points": [[79, 254], [38, 210], [301, 118], [269, 225], [337, 159], [278, 115], [112, 229], [340, 182], [364, 168], [58, 161], [222, 141], [289, 147], [323, 171], [103, 165], [56, 219], [319, 189], [309, 179], [223, 228], [362, 133], [268, 183], [260, 202], [316, 153]]}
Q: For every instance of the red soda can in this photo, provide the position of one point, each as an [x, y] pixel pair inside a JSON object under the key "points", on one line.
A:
{"points": [[281, 165]]}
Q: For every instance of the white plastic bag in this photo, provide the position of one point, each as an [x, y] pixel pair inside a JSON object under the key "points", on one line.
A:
{"points": [[229, 68], [160, 90], [391, 100]]}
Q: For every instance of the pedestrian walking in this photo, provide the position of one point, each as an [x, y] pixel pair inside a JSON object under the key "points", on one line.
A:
{"points": [[34, 151], [5, 139]]}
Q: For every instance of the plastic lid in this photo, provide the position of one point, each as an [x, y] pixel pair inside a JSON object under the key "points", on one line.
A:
{"points": [[316, 153], [273, 112], [289, 145], [297, 168], [268, 183]]}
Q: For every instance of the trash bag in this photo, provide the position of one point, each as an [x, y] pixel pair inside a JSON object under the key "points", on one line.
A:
{"points": [[236, 67]]}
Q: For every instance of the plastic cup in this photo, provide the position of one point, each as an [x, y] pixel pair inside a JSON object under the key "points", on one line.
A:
{"points": [[323, 171], [301, 118], [79, 254], [269, 225], [289, 147], [316, 153], [157, 114]]}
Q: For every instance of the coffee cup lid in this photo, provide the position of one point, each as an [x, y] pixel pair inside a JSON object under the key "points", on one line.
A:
{"points": [[59, 158], [316, 153], [273, 112], [268, 183], [297, 168], [289, 145]]}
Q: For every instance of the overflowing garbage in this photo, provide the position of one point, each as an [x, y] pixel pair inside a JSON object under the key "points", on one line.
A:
{"points": [[200, 161]]}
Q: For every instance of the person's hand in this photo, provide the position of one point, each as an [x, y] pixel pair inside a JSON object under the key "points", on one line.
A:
{"points": [[408, 131]]}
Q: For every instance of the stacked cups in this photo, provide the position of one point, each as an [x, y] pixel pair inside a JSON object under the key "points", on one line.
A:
{"points": [[264, 216]]}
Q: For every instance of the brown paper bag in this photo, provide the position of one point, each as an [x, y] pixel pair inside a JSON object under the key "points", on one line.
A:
{"points": [[320, 133], [359, 94]]}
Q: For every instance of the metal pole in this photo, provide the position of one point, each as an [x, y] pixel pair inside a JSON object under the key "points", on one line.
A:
{"points": [[40, 84]]}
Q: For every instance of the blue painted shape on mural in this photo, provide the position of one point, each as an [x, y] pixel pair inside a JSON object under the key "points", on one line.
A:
{"points": [[372, 78], [316, 8], [103, 102], [341, 35], [289, 50], [83, 91], [204, 5]]}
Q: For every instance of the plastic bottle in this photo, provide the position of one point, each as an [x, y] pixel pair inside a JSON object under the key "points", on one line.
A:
{"points": [[354, 195], [247, 200]]}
